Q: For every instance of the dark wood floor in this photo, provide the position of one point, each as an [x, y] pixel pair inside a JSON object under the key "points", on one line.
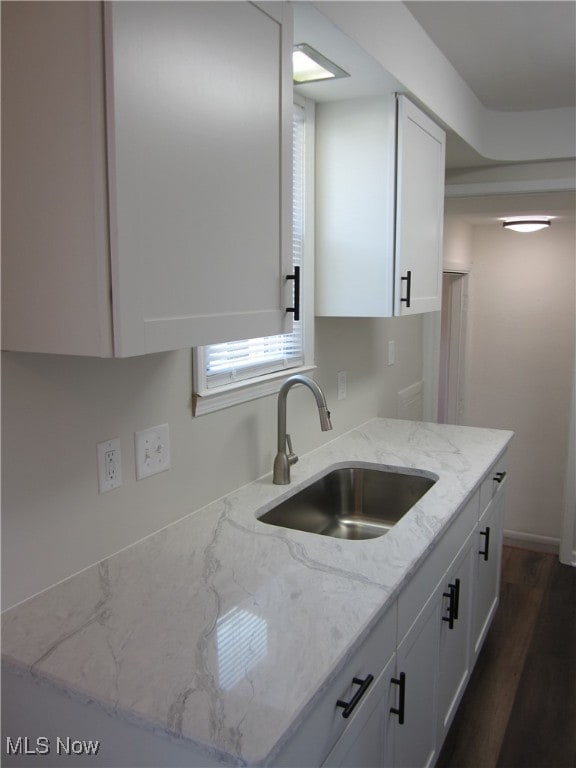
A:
{"points": [[519, 710]]}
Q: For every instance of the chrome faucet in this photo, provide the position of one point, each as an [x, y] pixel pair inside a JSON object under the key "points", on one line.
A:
{"points": [[284, 460]]}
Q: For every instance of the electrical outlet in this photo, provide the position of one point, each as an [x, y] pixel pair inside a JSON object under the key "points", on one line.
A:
{"points": [[109, 466], [152, 447], [342, 385], [391, 352]]}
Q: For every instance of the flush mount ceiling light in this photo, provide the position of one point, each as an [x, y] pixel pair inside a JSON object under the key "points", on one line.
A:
{"points": [[527, 223], [310, 66]]}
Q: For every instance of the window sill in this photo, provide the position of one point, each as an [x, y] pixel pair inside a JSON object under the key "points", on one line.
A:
{"points": [[210, 400]]}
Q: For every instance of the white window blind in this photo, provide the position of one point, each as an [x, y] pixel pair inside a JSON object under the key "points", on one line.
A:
{"points": [[241, 360]]}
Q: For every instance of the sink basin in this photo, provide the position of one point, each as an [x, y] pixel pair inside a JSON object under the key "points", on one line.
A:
{"points": [[351, 502]]}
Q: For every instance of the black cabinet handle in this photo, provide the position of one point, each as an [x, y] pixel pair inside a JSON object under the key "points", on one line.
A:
{"points": [[401, 682], [408, 280], [485, 551], [450, 617], [454, 596], [499, 476], [350, 705], [296, 308]]}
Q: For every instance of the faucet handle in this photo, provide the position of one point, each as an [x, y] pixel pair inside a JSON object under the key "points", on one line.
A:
{"points": [[292, 458]]}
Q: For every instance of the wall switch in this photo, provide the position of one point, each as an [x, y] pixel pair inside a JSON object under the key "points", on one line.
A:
{"points": [[152, 448], [342, 385], [391, 352], [109, 466]]}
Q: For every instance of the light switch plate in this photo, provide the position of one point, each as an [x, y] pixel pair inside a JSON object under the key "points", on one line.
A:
{"points": [[152, 449]]}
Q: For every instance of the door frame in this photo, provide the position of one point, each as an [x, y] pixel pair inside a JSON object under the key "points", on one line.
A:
{"points": [[568, 529]]}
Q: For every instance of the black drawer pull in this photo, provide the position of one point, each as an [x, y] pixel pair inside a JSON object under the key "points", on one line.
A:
{"points": [[408, 280], [296, 308], [499, 476], [350, 705], [486, 550], [400, 681], [454, 596]]}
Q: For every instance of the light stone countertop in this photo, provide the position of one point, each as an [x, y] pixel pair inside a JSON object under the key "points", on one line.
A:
{"points": [[144, 633]]}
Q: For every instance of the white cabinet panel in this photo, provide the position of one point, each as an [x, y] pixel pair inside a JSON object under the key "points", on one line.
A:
{"points": [[148, 189], [419, 211], [355, 188], [454, 667], [417, 660], [195, 131], [488, 555]]}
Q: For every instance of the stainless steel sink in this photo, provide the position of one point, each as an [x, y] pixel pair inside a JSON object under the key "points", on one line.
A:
{"points": [[351, 502]]}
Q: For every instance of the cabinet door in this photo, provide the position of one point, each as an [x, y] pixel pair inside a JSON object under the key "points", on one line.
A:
{"points": [[488, 557], [199, 134], [417, 675], [419, 212], [454, 636]]}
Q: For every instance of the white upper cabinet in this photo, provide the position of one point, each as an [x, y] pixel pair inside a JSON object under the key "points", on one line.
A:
{"points": [[380, 201], [147, 199]]}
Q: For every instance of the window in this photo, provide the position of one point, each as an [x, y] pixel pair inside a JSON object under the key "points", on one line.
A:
{"points": [[228, 373]]}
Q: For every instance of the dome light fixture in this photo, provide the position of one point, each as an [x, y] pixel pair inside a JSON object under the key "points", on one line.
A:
{"points": [[527, 223]]}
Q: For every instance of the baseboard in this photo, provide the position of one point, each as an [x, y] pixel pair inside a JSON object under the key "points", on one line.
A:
{"points": [[572, 560], [532, 541]]}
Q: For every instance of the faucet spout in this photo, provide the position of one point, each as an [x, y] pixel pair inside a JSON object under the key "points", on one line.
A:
{"points": [[284, 460]]}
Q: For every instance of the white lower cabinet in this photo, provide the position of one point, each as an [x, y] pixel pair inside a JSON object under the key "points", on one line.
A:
{"points": [[400, 717]]}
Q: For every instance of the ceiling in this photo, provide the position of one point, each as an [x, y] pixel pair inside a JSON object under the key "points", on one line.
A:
{"points": [[515, 56], [485, 209]]}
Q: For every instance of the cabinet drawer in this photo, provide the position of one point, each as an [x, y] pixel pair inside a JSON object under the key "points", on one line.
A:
{"points": [[324, 723], [417, 592], [492, 482], [363, 742]]}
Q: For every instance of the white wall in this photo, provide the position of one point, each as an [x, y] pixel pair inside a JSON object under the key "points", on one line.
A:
{"points": [[521, 361], [457, 244], [56, 409]]}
